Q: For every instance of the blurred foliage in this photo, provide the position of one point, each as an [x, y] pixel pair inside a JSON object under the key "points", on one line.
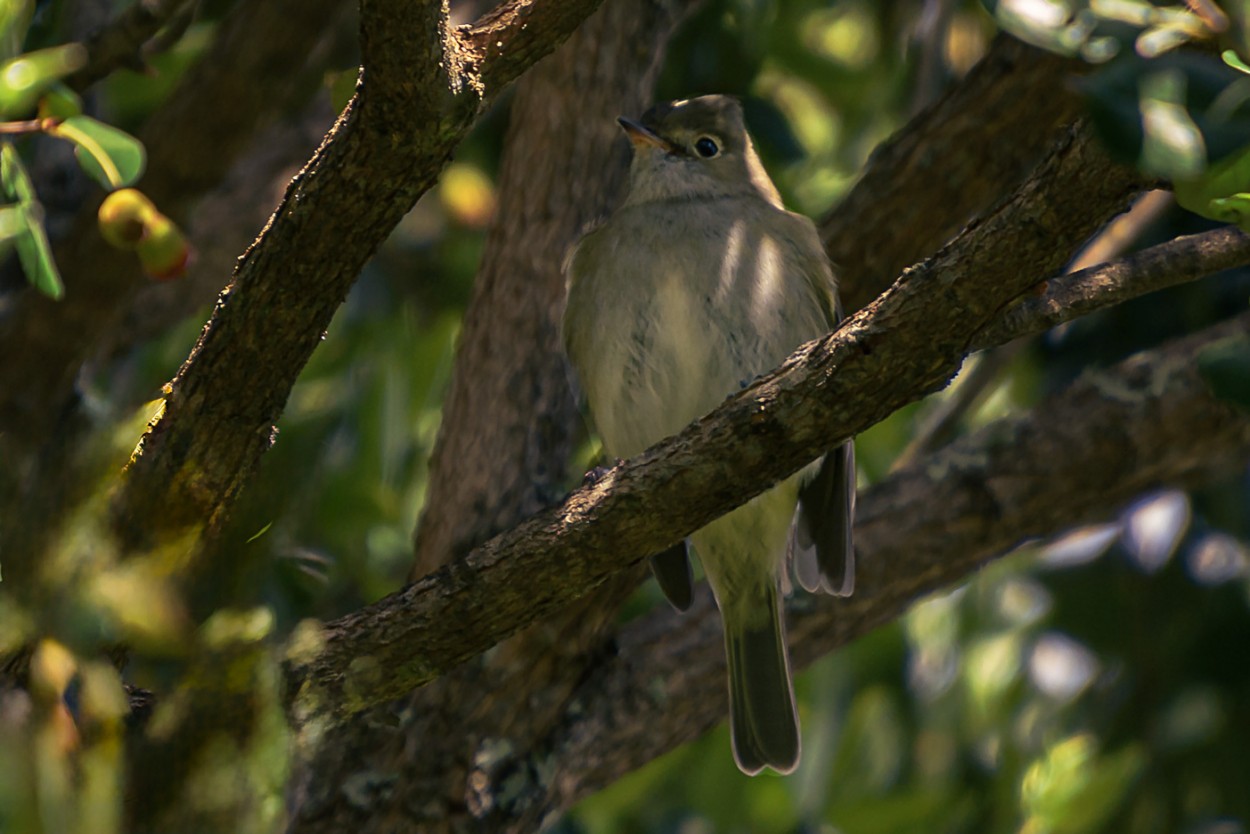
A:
{"points": [[30, 81], [1173, 112], [1097, 683]]}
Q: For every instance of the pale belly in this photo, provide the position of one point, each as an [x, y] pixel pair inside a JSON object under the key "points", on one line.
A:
{"points": [[674, 364], [660, 338], [676, 360]]}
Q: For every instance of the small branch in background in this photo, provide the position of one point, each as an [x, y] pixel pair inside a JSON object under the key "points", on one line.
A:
{"points": [[939, 423], [169, 36], [27, 126], [137, 32], [1168, 264]]}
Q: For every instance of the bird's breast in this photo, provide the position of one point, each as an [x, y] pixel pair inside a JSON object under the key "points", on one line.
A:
{"points": [[679, 312]]}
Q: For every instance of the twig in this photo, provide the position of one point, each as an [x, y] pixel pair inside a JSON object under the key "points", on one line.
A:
{"points": [[1080, 293], [119, 44], [1123, 232], [28, 126], [939, 423]]}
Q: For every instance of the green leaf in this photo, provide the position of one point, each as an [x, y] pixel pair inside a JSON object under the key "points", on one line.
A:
{"points": [[1225, 366], [1072, 789], [14, 21], [1234, 60], [60, 102], [25, 220], [14, 180], [1173, 144], [1235, 208], [12, 223], [111, 157], [23, 79], [1220, 193], [35, 255]]}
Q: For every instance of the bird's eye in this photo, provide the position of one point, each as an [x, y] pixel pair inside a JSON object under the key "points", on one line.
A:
{"points": [[706, 147]]}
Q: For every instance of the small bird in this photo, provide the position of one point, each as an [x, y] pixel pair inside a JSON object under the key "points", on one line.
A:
{"points": [[699, 282]]}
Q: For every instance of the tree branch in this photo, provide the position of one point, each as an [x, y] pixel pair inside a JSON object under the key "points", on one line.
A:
{"points": [[420, 81], [906, 344], [1080, 293], [119, 44], [1076, 458], [939, 421]]}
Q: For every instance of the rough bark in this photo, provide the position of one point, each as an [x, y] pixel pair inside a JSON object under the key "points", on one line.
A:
{"points": [[507, 430], [421, 80]]}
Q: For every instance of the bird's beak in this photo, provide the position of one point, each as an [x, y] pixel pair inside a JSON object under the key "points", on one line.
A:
{"points": [[639, 135]]}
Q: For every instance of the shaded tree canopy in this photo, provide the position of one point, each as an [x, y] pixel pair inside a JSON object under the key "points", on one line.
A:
{"points": [[292, 527]]}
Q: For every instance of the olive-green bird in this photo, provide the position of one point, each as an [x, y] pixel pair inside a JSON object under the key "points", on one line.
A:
{"points": [[698, 283]]}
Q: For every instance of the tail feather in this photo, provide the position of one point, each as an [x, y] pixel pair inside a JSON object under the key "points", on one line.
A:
{"points": [[820, 542], [672, 571], [763, 721]]}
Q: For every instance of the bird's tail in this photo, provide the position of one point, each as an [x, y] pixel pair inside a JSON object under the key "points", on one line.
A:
{"points": [[763, 721]]}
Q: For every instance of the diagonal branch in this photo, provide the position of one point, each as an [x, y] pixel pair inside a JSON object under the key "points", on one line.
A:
{"points": [[903, 346], [421, 88], [1078, 457]]}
